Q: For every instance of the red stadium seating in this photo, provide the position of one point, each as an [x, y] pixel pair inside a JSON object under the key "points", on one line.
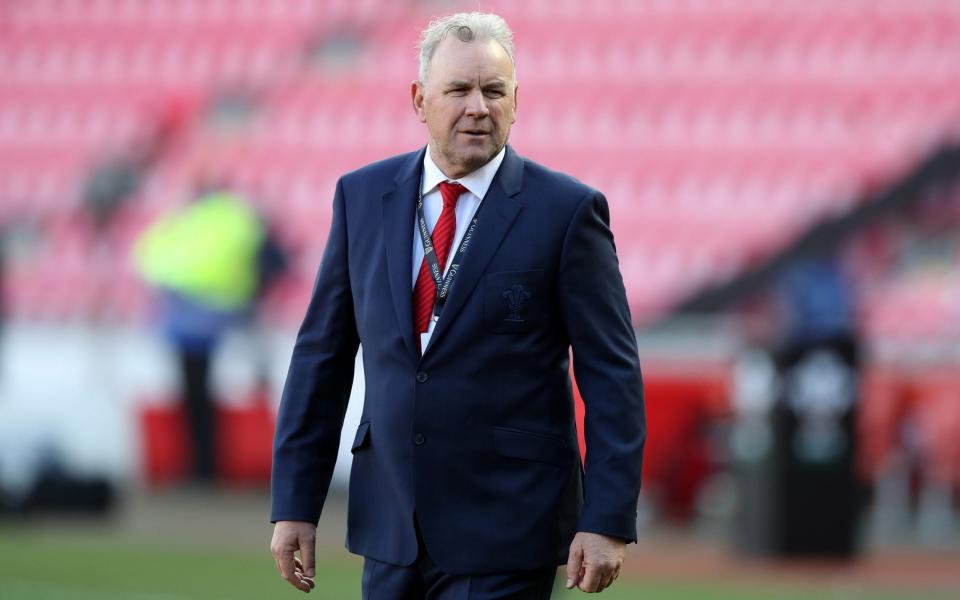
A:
{"points": [[718, 130]]}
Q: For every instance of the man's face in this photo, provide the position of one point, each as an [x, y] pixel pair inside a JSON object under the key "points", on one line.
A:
{"points": [[468, 102]]}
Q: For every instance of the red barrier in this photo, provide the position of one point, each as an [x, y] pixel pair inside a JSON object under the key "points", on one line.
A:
{"points": [[244, 441], [680, 405]]}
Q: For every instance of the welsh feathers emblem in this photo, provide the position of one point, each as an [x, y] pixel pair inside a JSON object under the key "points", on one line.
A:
{"points": [[515, 296]]}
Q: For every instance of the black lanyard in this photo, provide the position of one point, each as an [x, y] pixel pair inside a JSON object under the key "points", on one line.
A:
{"points": [[436, 271]]}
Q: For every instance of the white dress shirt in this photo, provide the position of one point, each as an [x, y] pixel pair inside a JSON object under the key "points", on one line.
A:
{"points": [[477, 184]]}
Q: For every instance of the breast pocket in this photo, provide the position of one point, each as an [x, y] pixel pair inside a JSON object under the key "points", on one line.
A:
{"points": [[514, 301]]}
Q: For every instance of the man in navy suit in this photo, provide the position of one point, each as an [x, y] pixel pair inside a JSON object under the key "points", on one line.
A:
{"points": [[466, 273]]}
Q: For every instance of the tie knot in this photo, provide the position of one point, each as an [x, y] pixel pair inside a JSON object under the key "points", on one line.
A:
{"points": [[451, 190]]}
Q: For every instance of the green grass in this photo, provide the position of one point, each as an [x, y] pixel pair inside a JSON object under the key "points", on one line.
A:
{"points": [[88, 566]]}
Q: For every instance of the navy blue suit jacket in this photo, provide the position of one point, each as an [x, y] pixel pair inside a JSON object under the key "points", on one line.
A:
{"points": [[477, 437]]}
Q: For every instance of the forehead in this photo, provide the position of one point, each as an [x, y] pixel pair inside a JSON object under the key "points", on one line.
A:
{"points": [[479, 59]]}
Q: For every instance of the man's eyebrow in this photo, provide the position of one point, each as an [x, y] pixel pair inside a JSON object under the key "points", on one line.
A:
{"points": [[456, 83]]}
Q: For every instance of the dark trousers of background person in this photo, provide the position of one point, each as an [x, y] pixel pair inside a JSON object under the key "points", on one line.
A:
{"points": [[195, 371]]}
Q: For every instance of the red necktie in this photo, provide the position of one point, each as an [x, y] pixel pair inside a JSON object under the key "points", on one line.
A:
{"points": [[425, 291]]}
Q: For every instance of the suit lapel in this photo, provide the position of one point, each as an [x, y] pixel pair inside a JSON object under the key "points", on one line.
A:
{"points": [[399, 208], [495, 215]]}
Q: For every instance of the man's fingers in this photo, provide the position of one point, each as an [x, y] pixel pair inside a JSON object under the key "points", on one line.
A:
{"points": [[307, 546], [311, 583], [303, 584], [574, 562], [607, 581], [300, 573], [290, 572], [286, 563], [300, 582], [591, 580], [301, 577], [288, 569]]}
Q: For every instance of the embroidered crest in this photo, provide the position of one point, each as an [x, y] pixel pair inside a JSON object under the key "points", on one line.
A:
{"points": [[515, 296]]}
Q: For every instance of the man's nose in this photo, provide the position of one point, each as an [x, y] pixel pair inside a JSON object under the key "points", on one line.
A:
{"points": [[477, 105]]}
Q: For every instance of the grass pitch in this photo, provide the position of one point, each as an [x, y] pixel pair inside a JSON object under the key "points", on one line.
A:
{"points": [[86, 566], [213, 544]]}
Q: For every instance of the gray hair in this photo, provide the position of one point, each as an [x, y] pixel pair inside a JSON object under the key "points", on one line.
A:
{"points": [[468, 27]]}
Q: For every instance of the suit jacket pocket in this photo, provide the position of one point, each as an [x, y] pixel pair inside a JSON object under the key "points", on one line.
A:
{"points": [[528, 445], [514, 301], [362, 439]]}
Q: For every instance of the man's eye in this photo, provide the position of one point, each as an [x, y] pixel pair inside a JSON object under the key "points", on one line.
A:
{"points": [[458, 92], [493, 93]]}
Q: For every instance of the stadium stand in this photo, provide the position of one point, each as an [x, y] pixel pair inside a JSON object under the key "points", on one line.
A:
{"points": [[719, 131]]}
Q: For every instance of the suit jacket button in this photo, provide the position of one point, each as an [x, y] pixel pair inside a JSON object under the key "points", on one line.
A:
{"points": [[418, 439], [421, 377]]}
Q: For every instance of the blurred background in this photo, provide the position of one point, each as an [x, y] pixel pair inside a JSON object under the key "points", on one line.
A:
{"points": [[784, 187]]}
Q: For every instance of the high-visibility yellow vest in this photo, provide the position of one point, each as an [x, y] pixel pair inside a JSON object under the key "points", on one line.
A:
{"points": [[208, 252]]}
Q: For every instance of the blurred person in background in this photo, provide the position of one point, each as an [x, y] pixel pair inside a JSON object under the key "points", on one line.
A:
{"points": [[466, 479], [210, 263]]}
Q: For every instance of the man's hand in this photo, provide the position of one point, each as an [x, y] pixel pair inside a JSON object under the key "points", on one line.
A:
{"points": [[288, 537], [594, 561]]}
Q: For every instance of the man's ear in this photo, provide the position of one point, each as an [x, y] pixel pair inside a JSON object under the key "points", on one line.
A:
{"points": [[416, 97], [516, 87]]}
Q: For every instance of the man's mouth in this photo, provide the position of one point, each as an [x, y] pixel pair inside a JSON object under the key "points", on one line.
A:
{"points": [[475, 132]]}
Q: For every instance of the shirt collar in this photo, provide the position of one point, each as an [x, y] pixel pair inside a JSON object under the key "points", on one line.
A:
{"points": [[477, 182]]}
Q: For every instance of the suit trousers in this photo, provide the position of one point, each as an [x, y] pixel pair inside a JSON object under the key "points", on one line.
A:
{"points": [[423, 580]]}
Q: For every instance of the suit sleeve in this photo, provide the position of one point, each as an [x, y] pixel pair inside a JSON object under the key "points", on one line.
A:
{"points": [[317, 386], [607, 369]]}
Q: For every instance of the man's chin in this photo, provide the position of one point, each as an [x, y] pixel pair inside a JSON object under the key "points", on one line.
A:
{"points": [[477, 157], [467, 160]]}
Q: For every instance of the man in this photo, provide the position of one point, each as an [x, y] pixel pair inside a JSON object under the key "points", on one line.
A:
{"points": [[466, 480]]}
